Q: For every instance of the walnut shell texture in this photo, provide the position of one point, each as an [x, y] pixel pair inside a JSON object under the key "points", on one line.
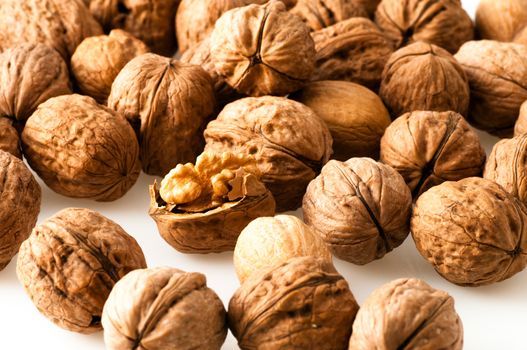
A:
{"points": [[428, 148], [440, 22], [9, 138], [521, 36], [163, 308], [289, 141], [472, 231], [407, 314], [59, 24], [20, 197], [300, 304], [497, 73], [168, 103], [424, 77], [81, 149], [29, 75], [98, 59], [318, 14], [500, 20], [70, 263], [355, 116], [520, 127], [263, 49], [354, 50]]}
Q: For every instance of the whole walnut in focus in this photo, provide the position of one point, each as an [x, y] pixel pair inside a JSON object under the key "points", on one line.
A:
{"points": [[472, 231], [168, 103], [20, 197], [163, 308], [354, 50], [9, 139], [501, 20], [355, 116], [318, 14], [424, 77], [407, 314], [497, 73], [70, 263], [520, 127], [428, 148], [361, 209], [151, 21], [98, 59], [440, 22], [59, 24], [30, 74], [303, 303], [263, 49], [288, 140], [81, 149]]}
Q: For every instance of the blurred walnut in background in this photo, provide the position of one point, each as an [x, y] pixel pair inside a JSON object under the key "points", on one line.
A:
{"points": [[501, 20]]}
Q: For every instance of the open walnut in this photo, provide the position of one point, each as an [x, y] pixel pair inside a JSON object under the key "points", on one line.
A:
{"points": [[520, 127], [501, 20], [203, 208], [318, 14], [440, 22], [9, 139], [70, 263], [163, 308], [472, 231], [407, 314], [354, 50]]}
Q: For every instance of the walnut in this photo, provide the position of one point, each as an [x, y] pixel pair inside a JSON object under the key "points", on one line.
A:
{"points": [[472, 231], [318, 14], [500, 20], [203, 208], [71, 261], [81, 149], [303, 303], [9, 139], [427, 148], [354, 50], [520, 127], [151, 21], [407, 314], [98, 59], [521, 37], [440, 22], [20, 197], [289, 141], [421, 76], [355, 116], [497, 73], [29, 75], [59, 24], [163, 308], [369, 5], [269, 241], [263, 49]]}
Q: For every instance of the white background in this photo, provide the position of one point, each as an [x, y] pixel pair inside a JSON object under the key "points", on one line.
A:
{"points": [[494, 317]]}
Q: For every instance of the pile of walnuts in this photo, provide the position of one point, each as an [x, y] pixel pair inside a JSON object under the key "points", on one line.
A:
{"points": [[359, 112]]}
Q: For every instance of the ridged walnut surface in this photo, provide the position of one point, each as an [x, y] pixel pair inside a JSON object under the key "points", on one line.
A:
{"points": [[300, 304], [319, 14], [81, 149], [20, 197], [70, 263], [501, 20], [9, 138], [472, 231], [407, 314], [520, 127], [163, 308]]}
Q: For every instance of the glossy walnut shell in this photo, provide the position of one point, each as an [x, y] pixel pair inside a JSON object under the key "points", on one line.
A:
{"points": [[500, 20], [318, 14], [9, 138], [520, 127]]}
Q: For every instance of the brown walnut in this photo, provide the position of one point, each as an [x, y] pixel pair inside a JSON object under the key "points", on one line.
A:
{"points": [[289, 141], [407, 314], [163, 308], [98, 59], [360, 207], [303, 303], [318, 14], [520, 127], [20, 197], [9, 138], [263, 50], [427, 148], [497, 73], [70, 263], [355, 116], [369, 5], [440, 22], [81, 149], [501, 20], [168, 103], [30, 74], [424, 77], [521, 36], [472, 231]]}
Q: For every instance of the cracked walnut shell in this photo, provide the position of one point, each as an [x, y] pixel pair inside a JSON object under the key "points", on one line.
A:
{"points": [[319, 14], [520, 127], [70, 263], [303, 303], [407, 314], [501, 20], [9, 138], [163, 308], [472, 231]]}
